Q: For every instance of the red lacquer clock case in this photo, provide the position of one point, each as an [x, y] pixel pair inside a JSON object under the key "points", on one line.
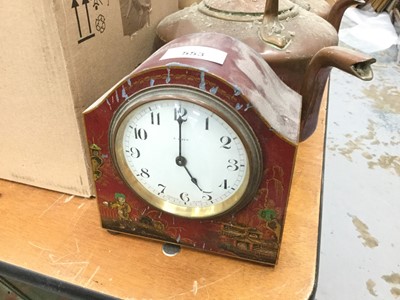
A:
{"points": [[246, 86]]}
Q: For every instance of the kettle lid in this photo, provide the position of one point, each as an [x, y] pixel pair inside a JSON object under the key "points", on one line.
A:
{"points": [[240, 9]]}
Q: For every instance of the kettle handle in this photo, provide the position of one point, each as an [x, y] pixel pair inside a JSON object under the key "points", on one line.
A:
{"points": [[337, 11], [272, 30]]}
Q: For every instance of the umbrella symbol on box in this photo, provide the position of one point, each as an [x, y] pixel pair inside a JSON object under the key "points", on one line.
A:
{"points": [[96, 4]]}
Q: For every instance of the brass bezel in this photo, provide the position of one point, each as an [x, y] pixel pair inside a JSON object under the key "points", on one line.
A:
{"points": [[210, 102]]}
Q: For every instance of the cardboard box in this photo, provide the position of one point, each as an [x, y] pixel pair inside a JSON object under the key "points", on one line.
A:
{"points": [[56, 58]]}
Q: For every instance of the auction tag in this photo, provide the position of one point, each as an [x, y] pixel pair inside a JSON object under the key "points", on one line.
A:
{"points": [[196, 52]]}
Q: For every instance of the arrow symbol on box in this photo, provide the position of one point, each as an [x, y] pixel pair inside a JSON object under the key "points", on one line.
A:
{"points": [[85, 2], [75, 5]]}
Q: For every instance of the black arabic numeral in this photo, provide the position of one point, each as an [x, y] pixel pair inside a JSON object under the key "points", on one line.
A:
{"points": [[155, 118], [207, 197], [134, 152], [233, 165], [180, 112], [207, 123], [162, 189], [184, 197], [140, 134], [144, 173], [224, 184], [226, 142]]}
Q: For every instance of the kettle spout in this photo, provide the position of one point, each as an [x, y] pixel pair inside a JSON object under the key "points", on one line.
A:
{"points": [[337, 11], [317, 73]]}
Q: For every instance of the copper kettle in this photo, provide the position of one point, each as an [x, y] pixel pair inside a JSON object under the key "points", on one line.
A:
{"points": [[300, 46]]}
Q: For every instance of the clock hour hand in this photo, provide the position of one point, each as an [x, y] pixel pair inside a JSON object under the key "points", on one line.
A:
{"points": [[192, 179], [181, 161]]}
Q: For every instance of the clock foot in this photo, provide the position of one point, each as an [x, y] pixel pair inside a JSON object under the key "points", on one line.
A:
{"points": [[171, 249], [113, 232]]}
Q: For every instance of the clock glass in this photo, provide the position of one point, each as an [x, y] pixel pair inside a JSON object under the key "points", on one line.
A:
{"points": [[185, 152]]}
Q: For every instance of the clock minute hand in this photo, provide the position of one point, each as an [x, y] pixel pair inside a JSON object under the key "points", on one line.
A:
{"points": [[180, 160], [180, 121]]}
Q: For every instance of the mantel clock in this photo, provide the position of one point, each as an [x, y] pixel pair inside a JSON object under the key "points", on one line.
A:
{"points": [[196, 147]]}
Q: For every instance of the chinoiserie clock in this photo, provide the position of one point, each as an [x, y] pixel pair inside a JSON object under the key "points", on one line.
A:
{"points": [[185, 152], [196, 147]]}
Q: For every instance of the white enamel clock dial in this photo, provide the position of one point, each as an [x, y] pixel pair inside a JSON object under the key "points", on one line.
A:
{"points": [[185, 152]]}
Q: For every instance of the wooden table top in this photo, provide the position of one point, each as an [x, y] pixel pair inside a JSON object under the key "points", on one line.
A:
{"points": [[60, 236]]}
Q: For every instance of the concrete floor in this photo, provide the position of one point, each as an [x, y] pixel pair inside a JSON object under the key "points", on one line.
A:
{"points": [[360, 239]]}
